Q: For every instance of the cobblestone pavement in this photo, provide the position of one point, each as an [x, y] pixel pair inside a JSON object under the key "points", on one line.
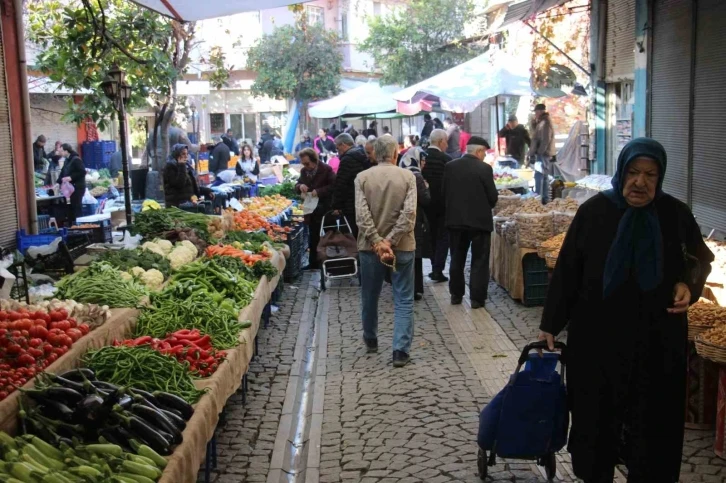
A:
{"points": [[246, 432]]}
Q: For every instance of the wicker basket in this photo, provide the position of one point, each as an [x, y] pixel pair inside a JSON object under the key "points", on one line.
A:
{"points": [[551, 258], [712, 352], [695, 330]]}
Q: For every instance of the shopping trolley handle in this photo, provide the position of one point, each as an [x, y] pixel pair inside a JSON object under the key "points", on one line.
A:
{"points": [[541, 345]]}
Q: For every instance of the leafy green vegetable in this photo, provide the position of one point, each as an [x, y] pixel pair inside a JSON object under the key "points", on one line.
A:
{"points": [[286, 189], [244, 236], [124, 260], [155, 223]]}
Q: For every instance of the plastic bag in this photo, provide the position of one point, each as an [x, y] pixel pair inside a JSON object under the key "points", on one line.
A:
{"points": [[310, 203], [67, 189], [88, 198], [33, 252], [131, 242]]}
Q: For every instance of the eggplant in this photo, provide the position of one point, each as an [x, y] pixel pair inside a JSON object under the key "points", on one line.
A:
{"points": [[62, 381], [180, 424], [157, 421], [168, 437], [125, 401], [175, 402], [113, 436], [106, 386], [69, 397], [146, 395], [90, 409], [171, 410], [79, 375], [147, 434], [56, 410]]}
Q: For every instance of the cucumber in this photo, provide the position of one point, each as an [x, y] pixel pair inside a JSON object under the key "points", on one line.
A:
{"points": [[139, 469]]}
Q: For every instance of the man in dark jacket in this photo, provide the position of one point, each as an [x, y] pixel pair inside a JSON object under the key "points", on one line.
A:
{"points": [[428, 126], [353, 160], [231, 142], [39, 156], [470, 195], [433, 173], [517, 137], [264, 147], [219, 159]]}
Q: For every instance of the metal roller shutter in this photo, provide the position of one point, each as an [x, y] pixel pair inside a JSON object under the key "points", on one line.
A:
{"points": [[620, 44], [8, 207], [709, 175], [670, 89]]}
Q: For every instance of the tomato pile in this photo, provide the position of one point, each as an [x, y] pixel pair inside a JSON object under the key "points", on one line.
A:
{"points": [[31, 341], [186, 346]]}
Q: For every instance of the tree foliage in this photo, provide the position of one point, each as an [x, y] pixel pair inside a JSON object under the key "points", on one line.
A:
{"points": [[299, 62], [419, 40], [80, 40]]}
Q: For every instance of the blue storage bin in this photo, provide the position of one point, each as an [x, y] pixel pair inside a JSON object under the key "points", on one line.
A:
{"points": [[25, 241], [89, 209]]}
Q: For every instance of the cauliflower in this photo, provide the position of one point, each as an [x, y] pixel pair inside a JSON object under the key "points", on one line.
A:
{"points": [[191, 247], [137, 271], [153, 247], [126, 276], [180, 256], [153, 279], [165, 245]]}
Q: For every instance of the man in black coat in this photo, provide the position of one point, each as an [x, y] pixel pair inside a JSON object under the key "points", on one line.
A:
{"points": [[219, 158], [433, 173], [353, 160], [428, 126], [264, 147], [470, 195], [517, 137], [231, 142]]}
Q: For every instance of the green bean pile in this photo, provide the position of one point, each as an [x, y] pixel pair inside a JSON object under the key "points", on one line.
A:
{"points": [[143, 368], [193, 309], [101, 284]]}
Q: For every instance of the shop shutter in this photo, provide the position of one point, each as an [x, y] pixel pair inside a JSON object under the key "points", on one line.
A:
{"points": [[709, 167], [620, 40], [670, 89], [8, 206]]}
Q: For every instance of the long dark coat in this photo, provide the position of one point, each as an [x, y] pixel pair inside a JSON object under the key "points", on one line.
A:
{"points": [[626, 368], [422, 230]]}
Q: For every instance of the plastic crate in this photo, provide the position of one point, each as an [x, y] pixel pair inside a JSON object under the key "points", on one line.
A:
{"points": [[204, 207], [89, 209], [296, 240], [54, 265], [536, 280], [268, 181], [43, 223], [25, 241]]}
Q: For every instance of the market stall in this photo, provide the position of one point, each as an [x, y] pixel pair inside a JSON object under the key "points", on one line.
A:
{"points": [[186, 305]]}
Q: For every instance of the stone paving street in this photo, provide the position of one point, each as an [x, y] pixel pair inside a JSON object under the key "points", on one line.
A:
{"points": [[246, 432], [381, 424]]}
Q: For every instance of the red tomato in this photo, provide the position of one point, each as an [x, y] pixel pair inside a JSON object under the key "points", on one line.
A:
{"points": [[58, 315], [84, 328], [16, 334], [67, 341], [14, 315], [52, 358], [47, 348], [35, 352], [73, 323], [3, 395], [3, 315], [36, 342], [25, 333], [40, 323], [14, 349], [74, 334], [38, 331], [4, 325], [26, 359], [62, 325], [59, 351]]}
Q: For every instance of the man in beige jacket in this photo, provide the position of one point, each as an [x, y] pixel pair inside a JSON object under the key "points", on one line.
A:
{"points": [[385, 207]]}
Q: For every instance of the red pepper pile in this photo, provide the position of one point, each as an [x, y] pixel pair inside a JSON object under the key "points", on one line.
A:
{"points": [[31, 341], [186, 346]]}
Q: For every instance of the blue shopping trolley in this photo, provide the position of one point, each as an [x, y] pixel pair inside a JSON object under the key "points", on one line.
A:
{"points": [[528, 418]]}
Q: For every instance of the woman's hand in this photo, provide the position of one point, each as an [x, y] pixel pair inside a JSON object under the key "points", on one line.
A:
{"points": [[546, 336], [681, 299], [67, 178], [315, 194], [303, 189]]}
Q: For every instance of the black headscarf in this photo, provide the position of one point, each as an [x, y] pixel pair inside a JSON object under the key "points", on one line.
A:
{"points": [[638, 245]]}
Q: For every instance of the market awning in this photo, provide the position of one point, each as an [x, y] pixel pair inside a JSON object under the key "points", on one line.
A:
{"points": [[464, 87], [193, 10], [525, 10], [365, 100]]}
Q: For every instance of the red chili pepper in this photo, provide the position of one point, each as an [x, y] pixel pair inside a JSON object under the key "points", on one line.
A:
{"points": [[146, 339], [205, 342], [193, 335]]}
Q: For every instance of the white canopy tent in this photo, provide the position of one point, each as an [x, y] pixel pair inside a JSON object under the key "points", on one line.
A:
{"points": [[365, 100], [192, 10], [464, 87]]}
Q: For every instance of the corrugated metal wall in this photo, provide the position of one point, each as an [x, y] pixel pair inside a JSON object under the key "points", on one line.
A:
{"points": [[8, 207], [620, 43]]}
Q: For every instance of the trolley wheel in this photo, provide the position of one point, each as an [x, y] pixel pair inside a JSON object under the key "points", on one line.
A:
{"points": [[550, 464], [322, 280], [481, 463]]}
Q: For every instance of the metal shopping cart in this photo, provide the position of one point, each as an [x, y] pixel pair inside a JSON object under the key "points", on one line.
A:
{"points": [[529, 418], [337, 249]]}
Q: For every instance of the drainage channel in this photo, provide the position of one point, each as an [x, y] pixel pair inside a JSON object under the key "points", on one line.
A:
{"points": [[296, 445]]}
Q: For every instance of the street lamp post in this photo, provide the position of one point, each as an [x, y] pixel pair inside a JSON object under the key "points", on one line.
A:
{"points": [[119, 92]]}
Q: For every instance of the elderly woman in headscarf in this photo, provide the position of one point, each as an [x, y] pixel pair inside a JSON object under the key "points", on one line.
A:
{"points": [[631, 264], [414, 161], [180, 183]]}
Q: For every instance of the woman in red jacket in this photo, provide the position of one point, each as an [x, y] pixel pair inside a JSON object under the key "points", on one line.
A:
{"points": [[316, 179]]}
